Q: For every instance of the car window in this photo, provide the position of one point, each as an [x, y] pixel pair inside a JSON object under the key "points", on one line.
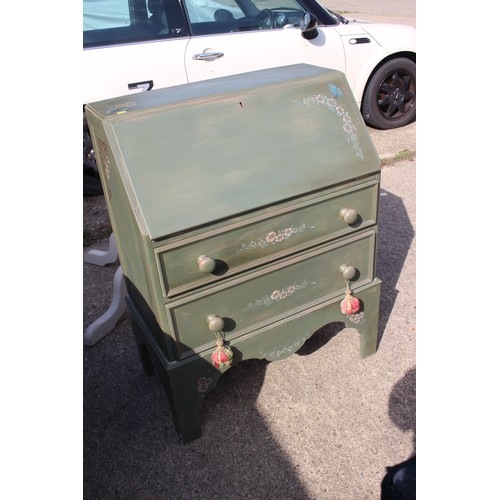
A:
{"points": [[207, 10], [223, 16], [102, 15], [108, 22]]}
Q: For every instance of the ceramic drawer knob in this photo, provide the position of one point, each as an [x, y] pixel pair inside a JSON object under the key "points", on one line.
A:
{"points": [[206, 264], [215, 323], [348, 272], [349, 215]]}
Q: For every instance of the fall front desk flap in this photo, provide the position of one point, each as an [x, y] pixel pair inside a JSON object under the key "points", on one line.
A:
{"points": [[197, 153]]}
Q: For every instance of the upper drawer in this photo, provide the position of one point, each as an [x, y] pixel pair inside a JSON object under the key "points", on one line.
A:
{"points": [[236, 247], [256, 299]]}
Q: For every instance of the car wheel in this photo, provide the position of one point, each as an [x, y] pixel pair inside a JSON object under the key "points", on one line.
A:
{"points": [[389, 98], [91, 181]]}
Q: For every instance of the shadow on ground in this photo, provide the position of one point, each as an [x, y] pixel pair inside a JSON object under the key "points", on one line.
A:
{"points": [[403, 404], [394, 240], [132, 451]]}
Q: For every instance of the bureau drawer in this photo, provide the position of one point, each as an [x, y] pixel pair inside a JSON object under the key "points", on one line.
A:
{"points": [[258, 240], [270, 294]]}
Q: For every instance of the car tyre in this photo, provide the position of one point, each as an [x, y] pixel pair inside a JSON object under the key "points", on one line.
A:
{"points": [[389, 100], [92, 185]]}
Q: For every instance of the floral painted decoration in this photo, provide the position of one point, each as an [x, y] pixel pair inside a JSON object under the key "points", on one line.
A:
{"points": [[278, 295], [203, 384], [274, 237], [333, 105]]}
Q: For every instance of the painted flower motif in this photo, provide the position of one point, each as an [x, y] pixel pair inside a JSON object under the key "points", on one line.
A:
{"points": [[107, 170], [203, 384], [348, 128], [278, 295], [271, 237], [332, 104], [356, 318], [274, 237], [284, 352]]}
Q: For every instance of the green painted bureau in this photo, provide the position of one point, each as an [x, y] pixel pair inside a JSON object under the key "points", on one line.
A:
{"points": [[245, 215]]}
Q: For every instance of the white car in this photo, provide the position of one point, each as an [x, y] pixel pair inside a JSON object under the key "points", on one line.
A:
{"points": [[137, 45]]}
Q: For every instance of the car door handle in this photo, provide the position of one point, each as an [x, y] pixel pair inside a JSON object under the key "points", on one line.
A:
{"points": [[204, 56], [143, 86]]}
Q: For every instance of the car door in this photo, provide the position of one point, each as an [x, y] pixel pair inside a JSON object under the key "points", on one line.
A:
{"points": [[226, 44], [127, 51]]}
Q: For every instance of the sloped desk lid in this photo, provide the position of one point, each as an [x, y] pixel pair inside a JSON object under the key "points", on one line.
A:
{"points": [[196, 153]]}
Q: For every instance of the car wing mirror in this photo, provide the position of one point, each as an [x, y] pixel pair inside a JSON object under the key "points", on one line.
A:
{"points": [[308, 25]]}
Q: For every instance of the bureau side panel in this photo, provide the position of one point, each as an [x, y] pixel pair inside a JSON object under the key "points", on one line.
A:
{"points": [[134, 247]]}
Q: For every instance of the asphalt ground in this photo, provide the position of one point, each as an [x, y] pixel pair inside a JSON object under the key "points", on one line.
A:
{"points": [[321, 424]]}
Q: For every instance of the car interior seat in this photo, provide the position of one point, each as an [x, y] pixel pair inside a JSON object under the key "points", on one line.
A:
{"points": [[158, 19]]}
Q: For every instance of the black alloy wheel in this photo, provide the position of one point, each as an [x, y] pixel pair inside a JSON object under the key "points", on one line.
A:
{"points": [[390, 96]]}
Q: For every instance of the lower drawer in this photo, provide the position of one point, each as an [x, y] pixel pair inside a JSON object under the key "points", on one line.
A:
{"points": [[271, 293]]}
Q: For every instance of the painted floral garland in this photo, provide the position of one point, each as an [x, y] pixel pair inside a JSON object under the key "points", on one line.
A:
{"points": [[332, 104], [274, 237]]}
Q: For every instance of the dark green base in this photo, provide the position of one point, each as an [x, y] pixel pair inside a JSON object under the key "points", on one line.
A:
{"points": [[187, 382]]}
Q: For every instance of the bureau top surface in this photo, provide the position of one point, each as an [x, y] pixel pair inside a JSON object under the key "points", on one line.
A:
{"points": [[196, 153]]}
